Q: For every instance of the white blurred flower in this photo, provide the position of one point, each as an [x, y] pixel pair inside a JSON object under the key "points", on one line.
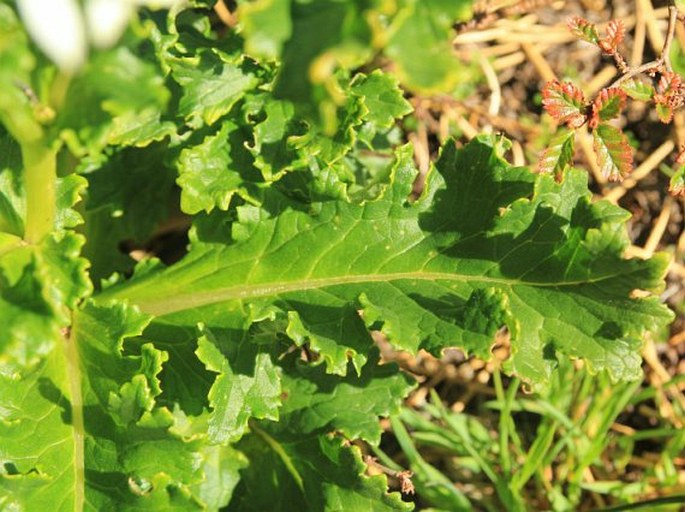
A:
{"points": [[61, 28], [57, 28], [106, 20]]}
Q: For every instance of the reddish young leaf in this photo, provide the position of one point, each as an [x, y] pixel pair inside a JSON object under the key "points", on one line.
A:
{"points": [[559, 154], [664, 112], [668, 96], [638, 90], [614, 156], [584, 29], [615, 32], [669, 83], [564, 102], [677, 184], [607, 105]]}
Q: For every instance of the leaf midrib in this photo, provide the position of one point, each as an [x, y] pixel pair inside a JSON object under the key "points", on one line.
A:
{"points": [[175, 300]]}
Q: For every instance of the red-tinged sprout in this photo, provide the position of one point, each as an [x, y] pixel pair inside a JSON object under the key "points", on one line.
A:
{"points": [[669, 96], [615, 33], [614, 155], [583, 29], [669, 83], [608, 104], [565, 103]]}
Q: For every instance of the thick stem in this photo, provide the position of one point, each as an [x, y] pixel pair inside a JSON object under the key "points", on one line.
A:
{"points": [[40, 175], [40, 166]]}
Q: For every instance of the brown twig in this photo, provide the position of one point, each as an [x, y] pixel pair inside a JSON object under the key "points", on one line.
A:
{"points": [[659, 65], [225, 15], [404, 477]]}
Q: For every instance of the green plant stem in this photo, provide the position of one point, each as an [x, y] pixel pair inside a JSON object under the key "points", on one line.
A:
{"points": [[78, 424], [40, 167], [40, 175]]}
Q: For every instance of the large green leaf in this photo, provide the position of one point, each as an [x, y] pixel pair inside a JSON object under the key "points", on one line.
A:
{"points": [[40, 284], [486, 246], [317, 401], [37, 447], [289, 472], [137, 453]]}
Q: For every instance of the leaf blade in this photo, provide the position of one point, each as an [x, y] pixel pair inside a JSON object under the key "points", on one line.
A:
{"points": [[358, 266], [613, 152]]}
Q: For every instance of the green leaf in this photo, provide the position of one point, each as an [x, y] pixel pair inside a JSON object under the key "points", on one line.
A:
{"points": [[212, 82], [307, 473], [317, 401], [267, 25], [638, 90], [614, 156], [36, 439], [69, 192], [273, 148], [664, 112], [583, 29], [319, 44], [39, 285], [12, 201], [419, 42], [607, 105], [677, 182], [137, 453], [213, 171], [382, 97], [248, 385], [558, 155], [447, 270], [118, 99]]}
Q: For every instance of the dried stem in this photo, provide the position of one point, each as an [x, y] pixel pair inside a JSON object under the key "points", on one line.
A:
{"points": [[404, 477], [666, 51], [660, 65]]}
